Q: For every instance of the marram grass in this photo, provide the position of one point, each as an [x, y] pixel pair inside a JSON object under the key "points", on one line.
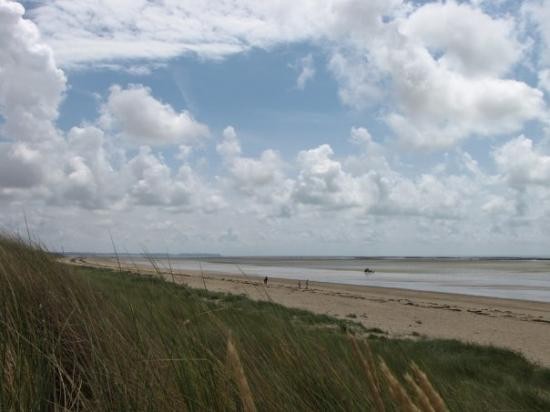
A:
{"points": [[89, 339]]}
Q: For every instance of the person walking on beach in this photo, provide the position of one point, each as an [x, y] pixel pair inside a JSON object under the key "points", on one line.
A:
{"points": [[265, 281], [299, 284], [307, 283]]}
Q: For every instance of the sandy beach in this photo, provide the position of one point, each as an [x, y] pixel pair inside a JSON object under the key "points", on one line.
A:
{"points": [[519, 325]]}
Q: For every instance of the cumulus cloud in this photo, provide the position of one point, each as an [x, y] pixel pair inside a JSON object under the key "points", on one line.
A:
{"points": [[91, 179], [249, 174], [20, 166], [229, 147], [523, 164], [444, 88], [426, 195], [362, 184], [485, 46], [323, 182], [145, 120], [538, 12], [371, 155], [441, 108], [31, 86], [443, 100], [358, 78], [262, 179], [367, 184], [152, 182]]}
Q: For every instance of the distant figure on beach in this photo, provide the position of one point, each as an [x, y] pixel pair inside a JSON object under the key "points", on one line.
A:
{"points": [[265, 281], [307, 283], [299, 284]]}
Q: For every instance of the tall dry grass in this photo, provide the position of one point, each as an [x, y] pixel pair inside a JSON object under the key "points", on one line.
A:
{"points": [[235, 367]]}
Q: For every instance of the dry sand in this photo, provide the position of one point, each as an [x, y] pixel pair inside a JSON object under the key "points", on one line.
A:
{"points": [[522, 326]]}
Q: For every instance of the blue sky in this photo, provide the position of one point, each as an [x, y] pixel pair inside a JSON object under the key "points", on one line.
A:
{"points": [[254, 91], [346, 127]]}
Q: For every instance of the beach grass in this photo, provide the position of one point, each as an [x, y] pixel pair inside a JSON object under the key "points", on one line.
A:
{"points": [[97, 339]]}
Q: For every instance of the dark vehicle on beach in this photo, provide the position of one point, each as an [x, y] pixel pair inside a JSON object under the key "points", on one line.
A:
{"points": [[368, 270]]}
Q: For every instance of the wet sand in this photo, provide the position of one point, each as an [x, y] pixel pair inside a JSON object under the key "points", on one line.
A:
{"points": [[519, 325]]}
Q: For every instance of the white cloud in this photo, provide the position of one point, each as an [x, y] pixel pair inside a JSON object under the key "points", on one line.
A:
{"points": [[439, 107], [498, 205], [323, 182], [261, 179], [362, 184], [31, 86], [145, 120], [251, 173], [362, 21], [80, 181], [136, 70], [31, 89], [437, 88], [538, 12], [361, 136], [443, 88], [426, 195], [91, 179], [229, 147], [522, 164], [367, 184], [184, 152], [150, 179], [306, 66], [484, 46], [151, 182], [369, 156], [358, 78], [83, 31], [20, 166]]}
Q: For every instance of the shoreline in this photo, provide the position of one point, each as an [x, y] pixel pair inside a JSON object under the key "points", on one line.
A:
{"points": [[519, 325], [506, 280], [110, 262]]}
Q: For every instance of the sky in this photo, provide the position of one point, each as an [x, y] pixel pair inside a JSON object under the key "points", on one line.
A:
{"points": [[281, 127]]}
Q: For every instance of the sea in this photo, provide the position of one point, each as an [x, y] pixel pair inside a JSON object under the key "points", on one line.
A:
{"points": [[512, 278]]}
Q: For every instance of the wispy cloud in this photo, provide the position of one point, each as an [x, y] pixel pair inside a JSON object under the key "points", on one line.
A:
{"points": [[307, 71]]}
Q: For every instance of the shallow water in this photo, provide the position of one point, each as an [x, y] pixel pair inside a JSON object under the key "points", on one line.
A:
{"points": [[514, 278]]}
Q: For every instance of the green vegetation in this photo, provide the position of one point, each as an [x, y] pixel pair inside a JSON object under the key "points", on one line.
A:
{"points": [[91, 339]]}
